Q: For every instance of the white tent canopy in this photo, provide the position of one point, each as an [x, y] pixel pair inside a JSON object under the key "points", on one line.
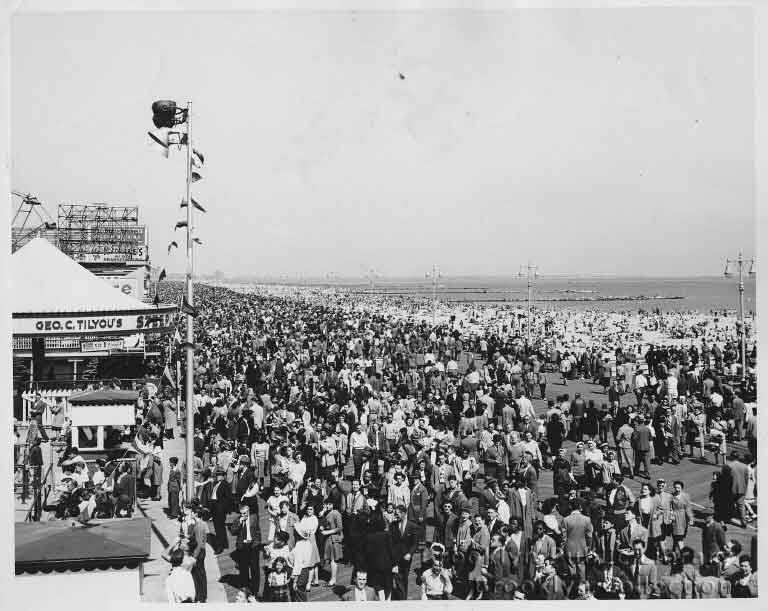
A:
{"points": [[46, 281]]}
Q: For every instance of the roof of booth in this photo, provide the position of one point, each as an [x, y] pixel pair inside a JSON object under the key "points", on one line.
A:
{"points": [[105, 543], [46, 281], [104, 397]]}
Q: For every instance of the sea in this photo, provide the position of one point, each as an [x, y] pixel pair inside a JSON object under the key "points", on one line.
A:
{"points": [[700, 294]]}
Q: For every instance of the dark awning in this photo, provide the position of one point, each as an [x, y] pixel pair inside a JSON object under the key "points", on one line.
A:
{"points": [[56, 545], [103, 397]]}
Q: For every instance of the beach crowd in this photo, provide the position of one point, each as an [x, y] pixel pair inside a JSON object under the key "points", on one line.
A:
{"points": [[413, 453], [365, 436]]}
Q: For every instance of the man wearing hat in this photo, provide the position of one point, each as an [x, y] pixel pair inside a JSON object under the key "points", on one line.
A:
{"points": [[642, 440], [174, 487], [220, 503]]}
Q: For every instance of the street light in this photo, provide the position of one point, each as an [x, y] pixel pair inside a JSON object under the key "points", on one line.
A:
{"points": [[741, 327], [531, 273], [435, 275], [165, 116]]}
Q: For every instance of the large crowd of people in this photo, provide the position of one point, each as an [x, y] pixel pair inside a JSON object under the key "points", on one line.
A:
{"points": [[374, 440], [412, 452]]}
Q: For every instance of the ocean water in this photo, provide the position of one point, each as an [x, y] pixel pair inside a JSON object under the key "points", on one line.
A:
{"points": [[701, 294]]}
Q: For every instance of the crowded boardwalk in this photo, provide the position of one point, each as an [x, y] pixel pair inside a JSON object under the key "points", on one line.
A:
{"points": [[346, 449]]}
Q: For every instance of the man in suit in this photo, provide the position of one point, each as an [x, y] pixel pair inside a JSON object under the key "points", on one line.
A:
{"points": [[642, 440], [244, 479], [501, 581], [578, 539], [494, 523], [219, 505], [404, 539], [712, 538], [200, 529], [606, 540], [521, 504], [514, 548], [739, 481], [445, 531], [643, 574], [454, 495], [417, 509], [247, 549], [739, 411], [174, 487], [360, 591]]}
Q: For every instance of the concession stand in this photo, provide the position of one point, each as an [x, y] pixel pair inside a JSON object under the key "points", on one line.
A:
{"points": [[70, 327], [99, 417]]}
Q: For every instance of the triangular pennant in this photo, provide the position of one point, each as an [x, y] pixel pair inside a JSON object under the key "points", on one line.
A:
{"points": [[160, 141], [172, 245], [194, 204], [196, 176], [188, 309], [162, 275], [198, 155], [167, 376]]}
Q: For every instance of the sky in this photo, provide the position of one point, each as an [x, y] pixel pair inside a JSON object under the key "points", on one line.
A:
{"points": [[604, 141]]}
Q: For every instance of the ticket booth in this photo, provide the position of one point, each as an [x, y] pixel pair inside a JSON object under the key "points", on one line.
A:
{"points": [[99, 418]]}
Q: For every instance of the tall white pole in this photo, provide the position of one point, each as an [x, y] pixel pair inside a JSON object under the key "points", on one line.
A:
{"points": [[741, 318], [434, 293], [190, 318]]}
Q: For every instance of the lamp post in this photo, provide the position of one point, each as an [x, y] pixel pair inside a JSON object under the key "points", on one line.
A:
{"points": [[435, 275], [166, 115], [531, 274], [190, 349], [740, 262]]}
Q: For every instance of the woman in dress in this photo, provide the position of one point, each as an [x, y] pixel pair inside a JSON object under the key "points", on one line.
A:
{"points": [[479, 552], [681, 514], [645, 506], [331, 530], [695, 426], [306, 529], [297, 469]]}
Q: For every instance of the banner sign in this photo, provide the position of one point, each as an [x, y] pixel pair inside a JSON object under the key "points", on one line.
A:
{"points": [[112, 344], [137, 255], [119, 324]]}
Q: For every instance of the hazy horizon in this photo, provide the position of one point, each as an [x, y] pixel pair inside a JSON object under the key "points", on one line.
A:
{"points": [[601, 142]]}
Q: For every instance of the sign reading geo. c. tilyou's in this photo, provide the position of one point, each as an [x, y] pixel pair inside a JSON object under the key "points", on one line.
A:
{"points": [[113, 324]]}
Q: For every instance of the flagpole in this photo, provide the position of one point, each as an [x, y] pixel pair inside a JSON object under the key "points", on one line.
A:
{"points": [[190, 319]]}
